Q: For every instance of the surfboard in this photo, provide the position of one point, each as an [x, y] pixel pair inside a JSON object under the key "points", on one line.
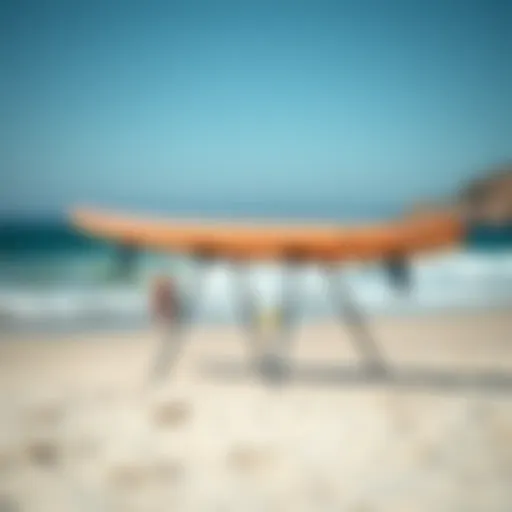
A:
{"points": [[250, 240]]}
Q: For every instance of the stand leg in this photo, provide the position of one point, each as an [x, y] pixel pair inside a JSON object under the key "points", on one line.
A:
{"points": [[176, 329], [247, 309], [348, 312], [276, 364]]}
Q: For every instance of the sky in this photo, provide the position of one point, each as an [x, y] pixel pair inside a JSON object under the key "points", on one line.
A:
{"points": [[362, 102]]}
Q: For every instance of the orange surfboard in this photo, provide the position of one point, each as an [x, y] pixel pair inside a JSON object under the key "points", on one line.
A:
{"points": [[253, 241]]}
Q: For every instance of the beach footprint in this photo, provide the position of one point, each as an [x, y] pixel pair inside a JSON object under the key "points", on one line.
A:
{"points": [[128, 476], [248, 458], [43, 451], [169, 411]]}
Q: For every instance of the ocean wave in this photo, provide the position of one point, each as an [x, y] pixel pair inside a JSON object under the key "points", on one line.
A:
{"points": [[440, 281]]}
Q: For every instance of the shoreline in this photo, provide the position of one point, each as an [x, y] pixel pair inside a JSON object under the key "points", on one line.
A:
{"points": [[98, 328]]}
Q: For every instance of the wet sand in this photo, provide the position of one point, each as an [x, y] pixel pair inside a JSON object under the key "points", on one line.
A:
{"points": [[82, 428]]}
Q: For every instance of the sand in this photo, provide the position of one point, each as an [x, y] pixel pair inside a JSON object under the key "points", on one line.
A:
{"points": [[82, 428]]}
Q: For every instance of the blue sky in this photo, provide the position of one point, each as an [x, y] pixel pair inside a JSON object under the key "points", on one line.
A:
{"points": [[374, 102]]}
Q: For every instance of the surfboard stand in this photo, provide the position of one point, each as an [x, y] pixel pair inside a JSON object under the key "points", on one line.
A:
{"points": [[272, 365]]}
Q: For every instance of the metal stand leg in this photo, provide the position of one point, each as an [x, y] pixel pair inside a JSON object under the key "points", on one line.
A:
{"points": [[175, 335], [275, 365], [363, 341], [269, 365], [247, 309]]}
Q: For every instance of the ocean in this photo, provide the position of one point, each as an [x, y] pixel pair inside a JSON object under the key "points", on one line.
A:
{"points": [[53, 278]]}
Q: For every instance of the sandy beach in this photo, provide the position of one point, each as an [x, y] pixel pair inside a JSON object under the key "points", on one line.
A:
{"points": [[82, 428]]}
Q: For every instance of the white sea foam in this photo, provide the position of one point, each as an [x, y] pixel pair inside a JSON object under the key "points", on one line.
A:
{"points": [[447, 281]]}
